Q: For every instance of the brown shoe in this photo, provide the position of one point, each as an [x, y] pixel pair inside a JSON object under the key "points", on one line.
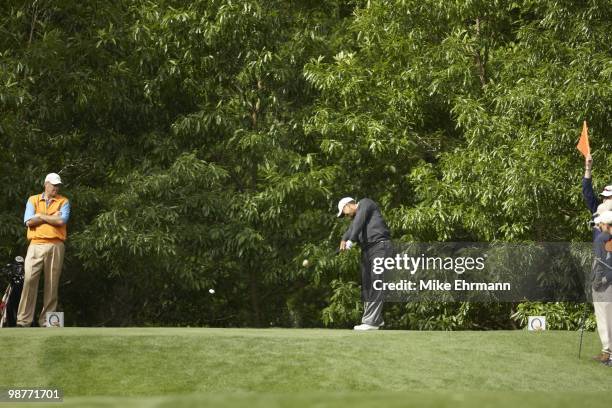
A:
{"points": [[602, 357]]}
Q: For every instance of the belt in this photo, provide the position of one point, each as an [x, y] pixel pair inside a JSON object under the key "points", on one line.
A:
{"points": [[369, 245]]}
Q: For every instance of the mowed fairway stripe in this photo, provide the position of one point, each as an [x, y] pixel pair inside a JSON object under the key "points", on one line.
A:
{"points": [[169, 363]]}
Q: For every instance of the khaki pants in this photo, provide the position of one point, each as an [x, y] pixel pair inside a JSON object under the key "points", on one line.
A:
{"points": [[602, 302], [47, 257]]}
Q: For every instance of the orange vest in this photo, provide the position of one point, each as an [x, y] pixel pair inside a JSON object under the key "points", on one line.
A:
{"points": [[47, 233]]}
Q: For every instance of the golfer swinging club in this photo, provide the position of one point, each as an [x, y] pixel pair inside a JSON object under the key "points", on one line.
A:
{"points": [[369, 229]]}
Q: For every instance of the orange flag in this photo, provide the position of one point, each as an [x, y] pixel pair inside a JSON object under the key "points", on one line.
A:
{"points": [[583, 143]]}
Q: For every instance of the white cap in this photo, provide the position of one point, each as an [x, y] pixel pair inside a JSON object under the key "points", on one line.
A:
{"points": [[603, 207], [605, 218], [342, 203], [53, 178], [607, 192]]}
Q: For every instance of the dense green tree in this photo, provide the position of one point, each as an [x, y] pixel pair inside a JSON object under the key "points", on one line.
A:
{"points": [[461, 118], [205, 144]]}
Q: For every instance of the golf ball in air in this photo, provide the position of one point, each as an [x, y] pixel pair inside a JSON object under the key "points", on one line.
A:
{"points": [[305, 263], [211, 291]]}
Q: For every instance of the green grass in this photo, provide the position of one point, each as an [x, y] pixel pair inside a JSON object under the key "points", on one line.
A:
{"points": [[286, 368]]}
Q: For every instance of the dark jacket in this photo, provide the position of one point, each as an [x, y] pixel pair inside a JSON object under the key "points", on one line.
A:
{"points": [[590, 199], [602, 264], [589, 196], [368, 226]]}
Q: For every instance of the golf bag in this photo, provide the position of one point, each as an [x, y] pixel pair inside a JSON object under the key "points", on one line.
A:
{"points": [[10, 301]]}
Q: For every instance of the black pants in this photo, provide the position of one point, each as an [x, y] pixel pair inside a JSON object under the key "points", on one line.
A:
{"points": [[373, 299]]}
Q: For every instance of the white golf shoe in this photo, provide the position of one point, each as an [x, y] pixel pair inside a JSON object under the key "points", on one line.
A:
{"points": [[363, 327]]}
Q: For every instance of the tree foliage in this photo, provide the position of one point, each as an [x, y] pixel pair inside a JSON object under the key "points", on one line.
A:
{"points": [[205, 144]]}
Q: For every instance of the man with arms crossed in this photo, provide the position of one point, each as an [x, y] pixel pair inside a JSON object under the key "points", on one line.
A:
{"points": [[369, 229], [46, 216]]}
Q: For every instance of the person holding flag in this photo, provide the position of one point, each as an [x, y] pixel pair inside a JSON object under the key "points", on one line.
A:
{"points": [[602, 217], [591, 200]]}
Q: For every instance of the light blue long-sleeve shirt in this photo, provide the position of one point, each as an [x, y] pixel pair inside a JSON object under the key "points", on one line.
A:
{"points": [[30, 212]]}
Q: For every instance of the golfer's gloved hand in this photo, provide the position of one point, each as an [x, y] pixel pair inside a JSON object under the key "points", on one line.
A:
{"points": [[349, 244]]}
